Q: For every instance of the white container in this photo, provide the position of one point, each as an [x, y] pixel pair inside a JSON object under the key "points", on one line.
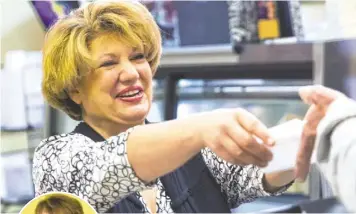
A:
{"points": [[13, 111], [22, 103], [32, 73], [341, 19]]}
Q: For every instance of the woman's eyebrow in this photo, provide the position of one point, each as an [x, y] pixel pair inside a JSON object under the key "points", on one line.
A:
{"points": [[111, 55], [137, 49]]}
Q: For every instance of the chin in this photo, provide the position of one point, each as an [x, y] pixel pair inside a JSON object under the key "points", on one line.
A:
{"points": [[135, 114]]}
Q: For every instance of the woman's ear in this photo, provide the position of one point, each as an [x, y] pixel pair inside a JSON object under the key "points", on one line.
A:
{"points": [[74, 95]]}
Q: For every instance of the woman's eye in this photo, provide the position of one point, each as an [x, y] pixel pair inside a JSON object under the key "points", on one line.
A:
{"points": [[108, 63], [138, 56]]}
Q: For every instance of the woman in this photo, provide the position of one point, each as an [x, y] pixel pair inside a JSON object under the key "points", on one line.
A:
{"points": [[331, 122], [59, 204], [98, 67]]}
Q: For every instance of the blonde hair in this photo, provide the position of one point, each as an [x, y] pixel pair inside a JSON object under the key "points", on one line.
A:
{"points": [[66, 54], [59, 204]]}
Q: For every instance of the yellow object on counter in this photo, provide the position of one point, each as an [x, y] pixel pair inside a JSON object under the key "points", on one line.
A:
{"points": [[268, 29]]}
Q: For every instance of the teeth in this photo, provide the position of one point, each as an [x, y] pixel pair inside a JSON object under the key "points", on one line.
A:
{"points": [[129, 93]]}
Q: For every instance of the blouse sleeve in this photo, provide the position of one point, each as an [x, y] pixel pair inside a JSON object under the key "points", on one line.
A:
{"points": [[240, 184], [341, 164], [98, 172], [336, 150]]}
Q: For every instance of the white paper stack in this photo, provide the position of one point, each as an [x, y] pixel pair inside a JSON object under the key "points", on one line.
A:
{"points": [[288, 139]]}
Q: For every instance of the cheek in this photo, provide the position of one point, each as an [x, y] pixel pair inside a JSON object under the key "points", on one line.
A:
{"points": [[149, 93], [99, 83], [145, 73]]}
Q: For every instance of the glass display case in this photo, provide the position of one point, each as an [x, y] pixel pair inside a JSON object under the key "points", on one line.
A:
{"points": [[265, 99], [272, 101]]}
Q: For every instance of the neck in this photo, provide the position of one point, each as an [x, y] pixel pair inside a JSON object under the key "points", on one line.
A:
{"points": [[108, 129]]}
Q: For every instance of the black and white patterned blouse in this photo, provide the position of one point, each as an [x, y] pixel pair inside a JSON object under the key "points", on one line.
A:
{"points": [[100, 173]]}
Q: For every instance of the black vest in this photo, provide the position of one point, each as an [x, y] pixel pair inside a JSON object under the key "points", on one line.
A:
{"points": [[192, 188]]}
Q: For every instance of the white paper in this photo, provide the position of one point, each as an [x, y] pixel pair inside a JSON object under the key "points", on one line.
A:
{"points": [[288, 138]]}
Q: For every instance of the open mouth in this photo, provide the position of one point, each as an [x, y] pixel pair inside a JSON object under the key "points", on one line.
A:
{"points": [[133, 93]]}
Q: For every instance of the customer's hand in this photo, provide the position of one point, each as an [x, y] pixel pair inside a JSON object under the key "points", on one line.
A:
{"points": [[319, 98], [230, 133]]}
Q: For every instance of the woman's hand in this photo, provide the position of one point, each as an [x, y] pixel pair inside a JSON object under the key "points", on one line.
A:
{"points": [[154, 150], [231, 134], [319, 98]]}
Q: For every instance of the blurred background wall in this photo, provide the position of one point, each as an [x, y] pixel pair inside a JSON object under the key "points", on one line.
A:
{"points": [[23, 30], [20, 27]]}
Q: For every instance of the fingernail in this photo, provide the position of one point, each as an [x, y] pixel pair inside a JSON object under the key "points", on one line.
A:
{"points": [[270, 141]]}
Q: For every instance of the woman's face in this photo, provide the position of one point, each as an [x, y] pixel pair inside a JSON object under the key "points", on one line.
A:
{"points": [[119, 90]]}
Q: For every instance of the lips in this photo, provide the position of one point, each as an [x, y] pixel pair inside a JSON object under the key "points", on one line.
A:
{"points": [[131, 94]]}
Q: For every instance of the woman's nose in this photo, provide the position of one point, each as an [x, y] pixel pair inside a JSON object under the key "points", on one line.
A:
{"points": [[129, 73]]}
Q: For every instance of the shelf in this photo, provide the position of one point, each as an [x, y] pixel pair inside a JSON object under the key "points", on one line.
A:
{"points": [[224, 55], [274, 61], [198, 55]]}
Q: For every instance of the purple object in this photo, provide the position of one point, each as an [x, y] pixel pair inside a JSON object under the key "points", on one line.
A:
{"points": [[49, 11]]}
